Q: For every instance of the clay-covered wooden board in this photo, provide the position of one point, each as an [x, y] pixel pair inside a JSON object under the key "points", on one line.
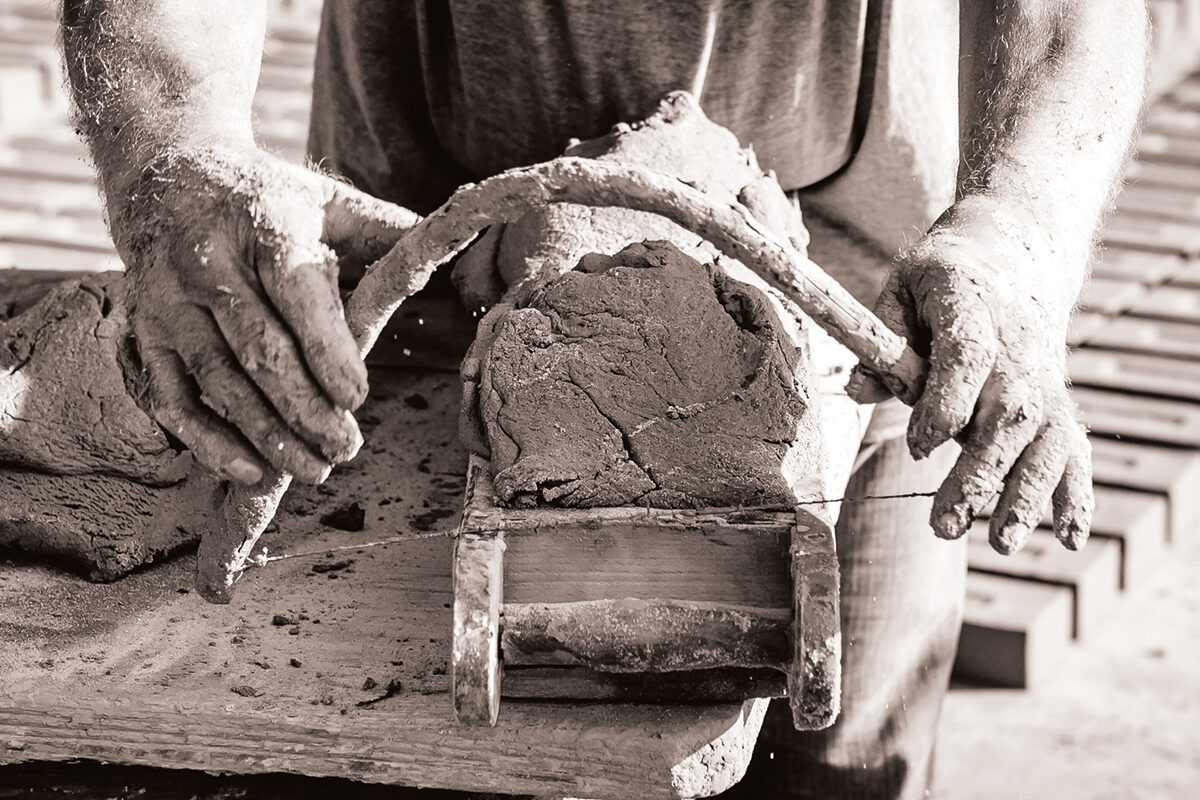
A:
{"points": [[332, 662]]}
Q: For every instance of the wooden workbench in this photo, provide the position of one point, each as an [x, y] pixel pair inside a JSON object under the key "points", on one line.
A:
{"points": [[331, 662]]}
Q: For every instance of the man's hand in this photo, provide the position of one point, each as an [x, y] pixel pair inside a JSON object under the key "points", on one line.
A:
{"points": [[1050, 91], [969, 296], [233, 257]]}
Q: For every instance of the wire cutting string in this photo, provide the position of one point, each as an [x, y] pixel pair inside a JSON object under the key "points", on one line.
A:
{"points": [[263, 559]]}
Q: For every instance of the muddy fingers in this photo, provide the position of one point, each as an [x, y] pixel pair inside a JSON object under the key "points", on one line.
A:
{"points": [[1006, 424], [226, 390], [302, 288], [894, 307], [1027, 491], [271, 358], [1073, 499], [360, 227], [962, 355], [213, 442]]}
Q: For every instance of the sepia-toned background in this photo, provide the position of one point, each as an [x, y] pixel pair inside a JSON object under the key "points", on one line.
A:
{"points": [[1110, 639]]}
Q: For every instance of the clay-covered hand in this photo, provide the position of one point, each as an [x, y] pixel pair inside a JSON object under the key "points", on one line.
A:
{"points": [[233, 257], [992, 319]]}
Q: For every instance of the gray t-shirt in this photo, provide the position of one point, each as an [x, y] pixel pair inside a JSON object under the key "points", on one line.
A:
{"points": [[412, 98]]}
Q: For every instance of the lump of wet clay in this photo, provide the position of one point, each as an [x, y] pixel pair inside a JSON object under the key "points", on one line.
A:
{"points": [[86, 475], [644, 378]]}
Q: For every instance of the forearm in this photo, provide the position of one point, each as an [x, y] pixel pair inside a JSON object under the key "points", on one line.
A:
{"points": [[149, 75], [1051, 102]]}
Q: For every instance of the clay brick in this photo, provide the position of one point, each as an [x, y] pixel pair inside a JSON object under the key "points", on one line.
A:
{"points": [[1093, 574], [1151, 336], [1170, 472], [1136, 265], [1014, 632], [1153, 235], [1155, 375], [1152, 419]]}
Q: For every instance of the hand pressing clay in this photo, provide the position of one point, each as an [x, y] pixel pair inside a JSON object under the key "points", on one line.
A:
{"points": [[645, 378]]}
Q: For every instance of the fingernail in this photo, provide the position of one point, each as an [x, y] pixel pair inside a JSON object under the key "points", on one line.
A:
{"points": [[949, 525], [243, 471], [1010, 538], [359, 386], [917, 445], [855, 386], [1072, 535]]}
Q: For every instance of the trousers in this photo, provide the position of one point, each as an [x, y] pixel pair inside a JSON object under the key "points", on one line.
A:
{"points": [[902, 592]]}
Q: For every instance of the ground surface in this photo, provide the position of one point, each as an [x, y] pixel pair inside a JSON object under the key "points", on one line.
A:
{"points": [[1121, 719]]}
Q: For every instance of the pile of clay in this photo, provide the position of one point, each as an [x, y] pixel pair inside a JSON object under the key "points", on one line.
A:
{"points": [[645, 379]]}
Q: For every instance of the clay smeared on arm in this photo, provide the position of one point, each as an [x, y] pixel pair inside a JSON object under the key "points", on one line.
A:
{"points": [[232, 254], [1051, 92]]}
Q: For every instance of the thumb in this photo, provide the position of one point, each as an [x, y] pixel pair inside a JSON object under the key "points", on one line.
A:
{"points": [[360, 228], [864, 388], [895, 309]]}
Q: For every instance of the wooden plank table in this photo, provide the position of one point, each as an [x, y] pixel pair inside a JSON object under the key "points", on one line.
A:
{"points": [[331, 661]]}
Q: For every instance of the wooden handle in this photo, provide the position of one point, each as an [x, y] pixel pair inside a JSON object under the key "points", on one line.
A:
{"points": [[475, 666], [583, 181], [646, 635]]}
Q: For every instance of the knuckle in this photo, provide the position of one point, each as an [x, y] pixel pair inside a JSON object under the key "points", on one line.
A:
{"points": [[308, 470], [289, 456], [970, 350], [171, 417], [1015, 405], [1028, 490], [978, 477], [1026, 412]]}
